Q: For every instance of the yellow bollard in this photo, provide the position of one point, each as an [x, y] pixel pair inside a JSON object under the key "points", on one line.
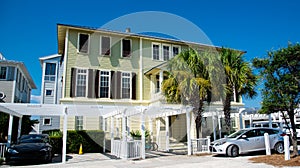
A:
{"points": [[80, 150]]}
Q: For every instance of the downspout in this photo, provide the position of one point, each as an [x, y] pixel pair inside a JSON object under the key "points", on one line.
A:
{"points": [[65, 64]]}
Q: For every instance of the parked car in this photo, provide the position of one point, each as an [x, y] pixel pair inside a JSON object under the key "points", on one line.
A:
{"points": [[248, 140], [33, 147]]}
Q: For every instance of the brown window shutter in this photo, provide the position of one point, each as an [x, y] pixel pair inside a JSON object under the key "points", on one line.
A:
{"points": [[112, 85], [97, 83], [73, 82], [91, 88], [133, 88], [118, 84]]}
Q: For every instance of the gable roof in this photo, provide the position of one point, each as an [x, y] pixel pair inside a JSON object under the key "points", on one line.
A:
{"points": [[22, 66]]}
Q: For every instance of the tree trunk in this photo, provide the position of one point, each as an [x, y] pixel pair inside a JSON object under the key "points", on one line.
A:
{"points": [[198, 126], [294, 135], [226, 109]]}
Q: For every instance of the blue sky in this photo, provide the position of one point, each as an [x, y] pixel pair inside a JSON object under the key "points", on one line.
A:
{"points": [[28, 28]]}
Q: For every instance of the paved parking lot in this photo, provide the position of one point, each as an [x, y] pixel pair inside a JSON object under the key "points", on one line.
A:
{"points": [[161, 160]]}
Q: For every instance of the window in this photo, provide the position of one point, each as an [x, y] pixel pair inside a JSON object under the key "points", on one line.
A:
{"points": [[81, 81], [79, 122], [50, 72], [155, 51], [83, 43], [157, 85], [125, 85], [166, 52], [104, 84], [3, 71], [49, 92], [176, 50], [46, 121], [105, 45], [126, 47]]}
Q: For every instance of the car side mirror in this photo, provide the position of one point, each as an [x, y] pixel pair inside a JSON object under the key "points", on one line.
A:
{"points": [[244, 136]]}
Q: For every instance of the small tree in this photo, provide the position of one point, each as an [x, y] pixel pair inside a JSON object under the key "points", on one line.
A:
{"points": [[239, 80], [188, 83], [281, 74]]}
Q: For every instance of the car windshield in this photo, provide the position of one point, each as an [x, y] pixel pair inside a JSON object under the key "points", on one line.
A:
{"points": [[236, 134], [33, 139]]}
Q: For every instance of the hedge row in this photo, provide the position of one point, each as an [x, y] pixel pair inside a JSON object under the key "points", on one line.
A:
{"points": [[91, 141]]}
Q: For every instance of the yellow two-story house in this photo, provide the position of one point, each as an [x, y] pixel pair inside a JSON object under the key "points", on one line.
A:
{"points": [[120, 69]]}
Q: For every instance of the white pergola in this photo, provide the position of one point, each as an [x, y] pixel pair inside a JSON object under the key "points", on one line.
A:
{"points": [[106, 111]]}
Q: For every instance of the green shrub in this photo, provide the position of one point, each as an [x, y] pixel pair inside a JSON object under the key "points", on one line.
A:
{"points": [[56, 142], [91, 140], [137, 134]]}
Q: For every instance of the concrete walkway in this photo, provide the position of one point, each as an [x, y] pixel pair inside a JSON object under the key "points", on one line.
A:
{"points": [[162, 160]]}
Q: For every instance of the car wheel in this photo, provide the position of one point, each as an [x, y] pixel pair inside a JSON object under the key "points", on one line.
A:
{"points": [[279, 148], [234, 151], [228, 151]]}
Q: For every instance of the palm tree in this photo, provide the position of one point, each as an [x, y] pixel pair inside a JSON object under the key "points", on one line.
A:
{"points": [[188, 83], [240, 79]]}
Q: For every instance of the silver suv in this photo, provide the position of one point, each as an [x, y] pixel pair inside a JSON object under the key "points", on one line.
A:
{"points": [[248, 140]]}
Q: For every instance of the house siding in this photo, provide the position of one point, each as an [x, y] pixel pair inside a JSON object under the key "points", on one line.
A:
{"points": [[7, 88]]}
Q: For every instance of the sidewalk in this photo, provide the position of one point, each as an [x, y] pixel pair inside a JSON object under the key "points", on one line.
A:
{"points": [[163, 161]]}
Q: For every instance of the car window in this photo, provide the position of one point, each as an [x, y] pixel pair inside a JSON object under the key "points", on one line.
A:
{"points": [[236, 134], [270, 131], [251, 133]]}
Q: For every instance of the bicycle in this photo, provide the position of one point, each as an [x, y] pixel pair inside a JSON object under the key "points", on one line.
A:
{"points": [[151, 146]]}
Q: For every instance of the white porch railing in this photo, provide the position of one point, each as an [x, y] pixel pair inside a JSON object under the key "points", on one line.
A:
{"points": [[3, 147], [200, 145], [127, 149]]}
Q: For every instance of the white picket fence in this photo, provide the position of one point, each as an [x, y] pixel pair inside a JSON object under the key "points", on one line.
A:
{"points": [[127, 149], [3, 147], [200, 145]]}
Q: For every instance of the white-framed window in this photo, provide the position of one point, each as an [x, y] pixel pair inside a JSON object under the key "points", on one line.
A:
{"points": [[166, 52], [126, 85], [49, 92], [50, 72], [105, 45], [156, 51], [47, 121], [126, 48], [176, 49], [83, 43], [104, 84], [81, 83], [3, 72], [79, 123]]}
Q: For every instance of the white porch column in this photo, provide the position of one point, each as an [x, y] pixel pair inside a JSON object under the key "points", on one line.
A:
{"points": [[214, 125], [65, 127], [241, 120], [188, 131], [112, 133], [161, 78], [20, 126], [124, 137], [103, 128], [151, 129], [270, 121], [143, 134], [167, 133], [157, 132], [220, 126], [9, 133]]}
